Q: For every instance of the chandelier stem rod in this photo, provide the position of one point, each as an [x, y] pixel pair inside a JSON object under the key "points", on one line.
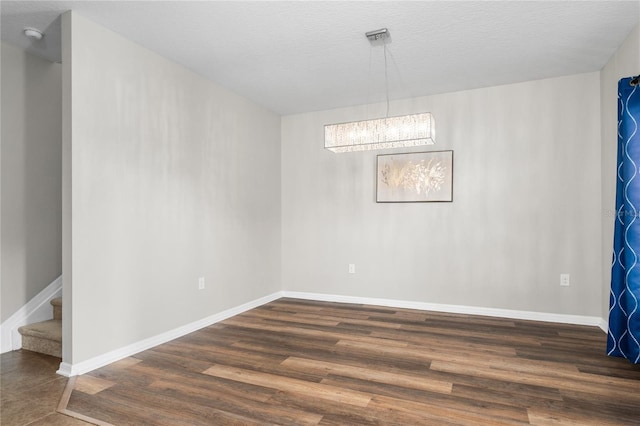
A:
{"points": [[386, 76]]}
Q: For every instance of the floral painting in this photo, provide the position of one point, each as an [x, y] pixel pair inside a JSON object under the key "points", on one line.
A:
{"points": [[416, 177]]}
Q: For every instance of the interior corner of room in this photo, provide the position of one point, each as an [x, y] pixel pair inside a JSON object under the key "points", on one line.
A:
{"points": [[166, 202]]}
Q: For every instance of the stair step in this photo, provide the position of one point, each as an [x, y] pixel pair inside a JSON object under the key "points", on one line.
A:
{"points": [[44, 337], [51, 330], [57, 308]]}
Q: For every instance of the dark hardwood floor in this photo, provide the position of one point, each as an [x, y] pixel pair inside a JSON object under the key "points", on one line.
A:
{"points": [[302, 362]]}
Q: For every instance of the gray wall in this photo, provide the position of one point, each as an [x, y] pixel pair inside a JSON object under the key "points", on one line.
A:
{"points": [[625, 63], [168, 177], [526, 204], [31, 170]]}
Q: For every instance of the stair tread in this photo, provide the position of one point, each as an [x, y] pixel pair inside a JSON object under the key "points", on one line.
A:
{"points": [[50, 330], [57, 301]]}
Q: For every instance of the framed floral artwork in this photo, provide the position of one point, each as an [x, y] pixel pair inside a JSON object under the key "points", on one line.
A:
{"points": [[415, 177]]}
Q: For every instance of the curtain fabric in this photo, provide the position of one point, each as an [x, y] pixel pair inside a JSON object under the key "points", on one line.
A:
{"points": [[624, 301]]}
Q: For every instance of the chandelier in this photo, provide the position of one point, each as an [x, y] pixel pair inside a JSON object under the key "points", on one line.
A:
{"points": [[381, 133]]}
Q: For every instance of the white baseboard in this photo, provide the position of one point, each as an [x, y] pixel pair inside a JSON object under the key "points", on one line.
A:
{"points": [[456, 309], [83, 367], [604, 325], [65, 369], [36, 310]]}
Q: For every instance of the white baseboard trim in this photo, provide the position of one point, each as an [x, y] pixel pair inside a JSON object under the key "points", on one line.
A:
{"points": [[456, 309], [35, 310], [65, 369], [604, 325], [68, 370]]}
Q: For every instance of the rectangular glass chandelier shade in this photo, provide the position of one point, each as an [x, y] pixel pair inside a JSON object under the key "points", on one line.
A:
{"points": [[381, 133]]}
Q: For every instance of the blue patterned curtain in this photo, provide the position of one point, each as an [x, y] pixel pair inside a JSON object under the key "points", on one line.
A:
{"points": [[624, 311]]}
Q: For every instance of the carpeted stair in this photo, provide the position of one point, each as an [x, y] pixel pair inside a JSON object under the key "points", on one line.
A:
{"points": [[46, 336]]}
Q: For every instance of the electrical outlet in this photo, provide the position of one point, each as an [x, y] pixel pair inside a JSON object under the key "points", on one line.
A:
{"points": [[565, 280], [201, 283], [352, 268]]}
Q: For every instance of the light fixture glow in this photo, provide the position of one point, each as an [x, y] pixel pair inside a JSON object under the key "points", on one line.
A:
{"points": [[33, 34], [381, 133]]}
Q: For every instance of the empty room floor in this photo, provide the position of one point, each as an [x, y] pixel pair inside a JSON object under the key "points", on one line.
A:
{"points": [[303, 362]]}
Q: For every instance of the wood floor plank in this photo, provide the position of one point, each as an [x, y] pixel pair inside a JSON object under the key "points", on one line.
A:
{"points": [[619, 370], [92, 385], [335, 413], [422, 353], [603, 403], [297, 318], [295, 330], [413, 317], [626, 389], [204, 352], [230, 335], [415, 334], [431, 410], [324, 318], [507, 396], [114, 411], [542, 416], [523, 392], [285, 384], [231, 389], [237, 357], [391, 378], [349, 356], [328, 308], [236, 405], [434, 343], [163, 408], [577, 356], [497, 409]]}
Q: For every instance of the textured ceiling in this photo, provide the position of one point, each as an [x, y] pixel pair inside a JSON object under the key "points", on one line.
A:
{"points": [[298, 56]]}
